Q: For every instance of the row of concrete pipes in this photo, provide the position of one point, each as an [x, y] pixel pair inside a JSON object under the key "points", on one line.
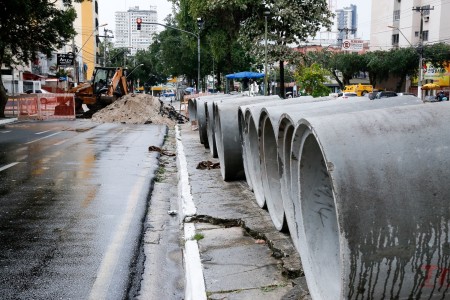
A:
{"points": [[362, 186]]}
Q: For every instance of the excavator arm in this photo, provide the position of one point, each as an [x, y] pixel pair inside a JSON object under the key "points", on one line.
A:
{"points": [[120, 80]]}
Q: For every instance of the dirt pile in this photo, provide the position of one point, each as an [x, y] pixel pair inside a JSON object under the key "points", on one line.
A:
{"points": [[133, 109]]}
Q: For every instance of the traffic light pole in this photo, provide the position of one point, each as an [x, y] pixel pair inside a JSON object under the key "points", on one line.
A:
{"points": [[199, 23]]}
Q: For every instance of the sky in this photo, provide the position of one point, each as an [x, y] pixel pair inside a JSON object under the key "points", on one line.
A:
{"points": [[107, 8]]}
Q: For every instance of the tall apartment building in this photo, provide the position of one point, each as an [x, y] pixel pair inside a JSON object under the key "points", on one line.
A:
{"points": [[126, 33], [86, 41], [395, 23], [346, 23]]}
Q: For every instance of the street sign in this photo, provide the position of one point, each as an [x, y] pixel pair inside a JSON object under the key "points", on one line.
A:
{"points": [[65, 59], [352, 45]]}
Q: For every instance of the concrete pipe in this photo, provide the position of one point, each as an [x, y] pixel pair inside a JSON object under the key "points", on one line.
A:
{"points": [[209, 115], [268, 158], [373, 205], [201, 116], [248, 116], [226, 129], [192, 109], [289, 141], [250, 134]]}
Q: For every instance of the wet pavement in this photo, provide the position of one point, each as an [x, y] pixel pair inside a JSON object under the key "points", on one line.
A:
{"points": [[73, 197], [232, 250]]}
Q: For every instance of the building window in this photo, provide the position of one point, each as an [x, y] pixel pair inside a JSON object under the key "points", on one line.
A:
{"points": [[396, 15], [416, 34], [395, 39], [425, 35]]}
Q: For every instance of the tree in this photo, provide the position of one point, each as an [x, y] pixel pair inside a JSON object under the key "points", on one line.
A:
{"points": [[402, 62], [29, 27], [220, 32], [289, 22], [312, 79]]}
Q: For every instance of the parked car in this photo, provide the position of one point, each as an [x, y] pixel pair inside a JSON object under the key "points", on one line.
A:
{"points": [[345, 96], [384, 94], [406, 94], [41, 91], [169, 93]]}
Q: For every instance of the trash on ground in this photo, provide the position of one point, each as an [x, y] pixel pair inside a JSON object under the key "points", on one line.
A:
{"points": [[208, 165], [162, 151]]}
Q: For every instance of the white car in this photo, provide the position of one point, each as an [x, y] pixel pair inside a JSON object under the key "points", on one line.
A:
{"points": [[41, 91], [345, 96]]}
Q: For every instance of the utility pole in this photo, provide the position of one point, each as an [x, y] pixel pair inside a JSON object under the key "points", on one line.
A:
{"points": [[105, 43], [422, 10]]}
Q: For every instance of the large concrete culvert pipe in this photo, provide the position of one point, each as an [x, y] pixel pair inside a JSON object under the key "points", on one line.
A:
{"points": [[201, 116], [192, 109], [248, 116], [209, 116], [270, 167], [373, 204], [288, 145], [226, 131]]}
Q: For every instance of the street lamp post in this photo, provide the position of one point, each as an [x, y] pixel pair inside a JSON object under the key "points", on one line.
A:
{"points": [[200, 26], [266, 14]]}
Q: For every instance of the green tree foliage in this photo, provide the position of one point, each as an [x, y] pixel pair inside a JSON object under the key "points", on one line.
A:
{"points": [[402, 62], [289, 22], [312, 79], [28, 27], [219, 34], [377, 66]]}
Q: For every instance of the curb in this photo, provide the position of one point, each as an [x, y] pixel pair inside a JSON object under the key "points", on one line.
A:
{"points": [[195, 283], [7, 121]]}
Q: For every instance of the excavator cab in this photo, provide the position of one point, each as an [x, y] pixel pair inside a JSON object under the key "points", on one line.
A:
{"points": [[107, 85], [108, 81]]}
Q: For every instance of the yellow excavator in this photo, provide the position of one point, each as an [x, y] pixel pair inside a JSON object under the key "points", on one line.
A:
{"points": [[107, 85]]}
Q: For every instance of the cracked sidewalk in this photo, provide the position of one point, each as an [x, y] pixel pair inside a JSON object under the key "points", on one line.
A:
{"points": [[242, 255]]}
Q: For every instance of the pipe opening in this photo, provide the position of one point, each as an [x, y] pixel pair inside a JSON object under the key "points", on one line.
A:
{"points": [[319, 220], [272, 175]]}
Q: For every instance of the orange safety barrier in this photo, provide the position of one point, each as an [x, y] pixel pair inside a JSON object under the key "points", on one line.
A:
{"points": [[46, 106], [12, 107]]}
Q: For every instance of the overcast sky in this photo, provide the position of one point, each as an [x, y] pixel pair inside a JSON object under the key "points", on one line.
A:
{"points": [[107, 8]]}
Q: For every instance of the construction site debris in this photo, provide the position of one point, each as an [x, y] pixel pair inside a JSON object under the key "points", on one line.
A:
{"points": [[134, 109], [163, 152], [208, 165]]}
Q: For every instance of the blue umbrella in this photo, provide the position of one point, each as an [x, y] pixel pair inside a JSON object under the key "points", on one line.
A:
{"points": [[245, 74]]}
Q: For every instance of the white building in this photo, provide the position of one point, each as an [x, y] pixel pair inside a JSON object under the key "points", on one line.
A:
{"points": [[344, 27], [346, 23], [398, 23], [126, 33]]}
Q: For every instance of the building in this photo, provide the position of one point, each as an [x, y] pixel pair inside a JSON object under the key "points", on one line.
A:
{"points": [[345, 26], [407, 23], [398, 23], [126, 33], [346, 23], [86, 41], [85, 46]]}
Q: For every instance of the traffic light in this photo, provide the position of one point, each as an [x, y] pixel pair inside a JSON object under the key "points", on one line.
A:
{"points": [[138, 23]]}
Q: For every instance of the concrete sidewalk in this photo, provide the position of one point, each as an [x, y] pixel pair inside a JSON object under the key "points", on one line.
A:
{"points": [[242, 255]]}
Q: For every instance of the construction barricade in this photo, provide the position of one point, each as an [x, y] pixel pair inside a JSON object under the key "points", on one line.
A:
{"points": [[46, 106]]}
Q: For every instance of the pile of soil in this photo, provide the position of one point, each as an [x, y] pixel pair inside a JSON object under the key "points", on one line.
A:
{"points": [[133, 109]]}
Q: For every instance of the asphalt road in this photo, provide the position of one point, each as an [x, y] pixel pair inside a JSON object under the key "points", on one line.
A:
{"points": [[73, 196]]}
